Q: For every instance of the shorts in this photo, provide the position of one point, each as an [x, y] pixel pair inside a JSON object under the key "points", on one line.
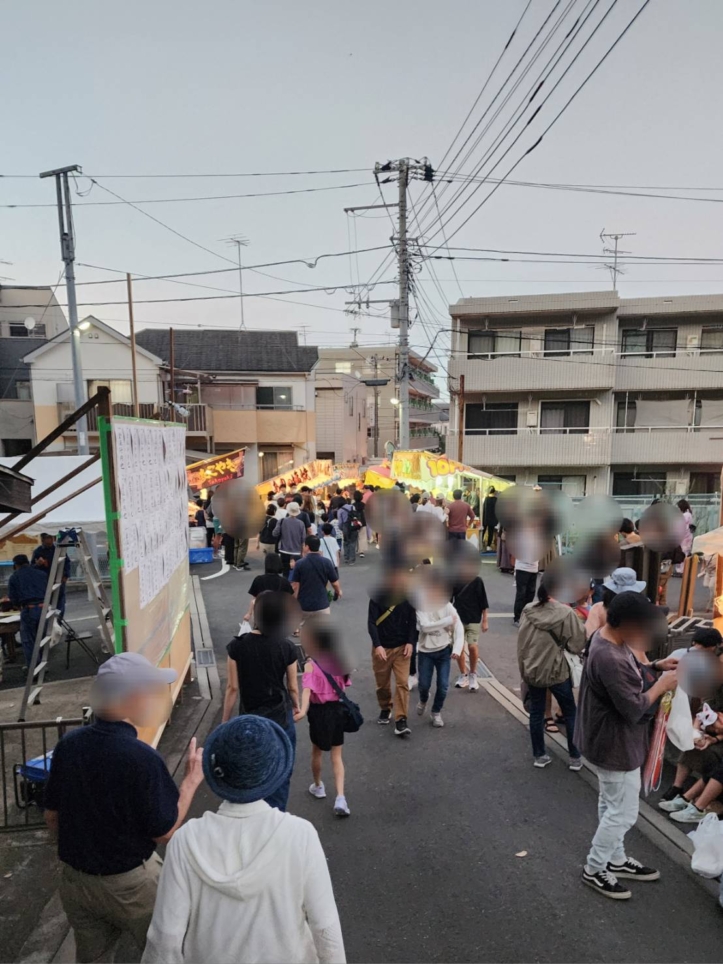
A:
{"points": [[471, 637], [326, 724]]}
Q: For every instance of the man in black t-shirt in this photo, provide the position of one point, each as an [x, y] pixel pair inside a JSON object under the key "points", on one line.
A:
{"points": [[469, 598], [271, 581], [110, 799], [262, 671]]}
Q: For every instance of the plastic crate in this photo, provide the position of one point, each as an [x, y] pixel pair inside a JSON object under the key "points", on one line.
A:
{"points": [[200, 555]]}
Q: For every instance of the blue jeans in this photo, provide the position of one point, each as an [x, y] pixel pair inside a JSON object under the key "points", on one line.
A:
{"points": [[456, 535], [563, 694], [426, 664], [280, 797], [29, 622]]}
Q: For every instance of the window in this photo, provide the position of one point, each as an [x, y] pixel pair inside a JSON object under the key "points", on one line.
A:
{"points": [[704, 483], [121, 392], [492, 344], [16, 446], [651, 483], [18, 330], [660, 342], [564, 418], [22, 391], [499, 418], [572, 485], [711, 340], [568, 341], [625, 416], [343, 367], [268, 397]]}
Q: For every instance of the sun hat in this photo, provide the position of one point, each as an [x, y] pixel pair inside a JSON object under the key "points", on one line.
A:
{"points": [[624, 580], [293, 508], [247, 759]]}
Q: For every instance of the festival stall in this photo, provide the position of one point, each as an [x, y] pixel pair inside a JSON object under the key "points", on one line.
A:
{"points": [[319, 475], [214, 470], [438, 474]]}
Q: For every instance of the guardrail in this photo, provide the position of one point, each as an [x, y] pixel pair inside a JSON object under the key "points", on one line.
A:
{"points": [[26, 751]]}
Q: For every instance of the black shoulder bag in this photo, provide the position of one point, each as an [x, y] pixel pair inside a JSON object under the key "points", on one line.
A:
{"points": [[352, 717]]}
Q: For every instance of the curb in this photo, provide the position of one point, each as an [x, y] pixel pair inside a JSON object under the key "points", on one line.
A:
{"points": [[673, 842]]}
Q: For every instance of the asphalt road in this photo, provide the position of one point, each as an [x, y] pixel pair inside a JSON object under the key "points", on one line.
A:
{"points": [[426, 867]]}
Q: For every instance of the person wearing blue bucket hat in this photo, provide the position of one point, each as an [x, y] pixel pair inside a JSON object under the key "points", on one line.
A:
{"points": [[250, 882]]}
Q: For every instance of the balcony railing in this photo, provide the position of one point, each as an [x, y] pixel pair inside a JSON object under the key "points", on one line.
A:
{"points": [[537, 431], [651, 429]]}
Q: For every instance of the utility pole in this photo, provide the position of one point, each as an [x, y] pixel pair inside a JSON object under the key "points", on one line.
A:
{"points": [[129, 287], [403, 259], [376, 383], [67, 249], [614, 251], [354, 333], [172, 374], [460, 420]]}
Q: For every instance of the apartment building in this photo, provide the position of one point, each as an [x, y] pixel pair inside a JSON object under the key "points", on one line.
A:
{"points": [[364, 362], [591, 393], [28, 317]]}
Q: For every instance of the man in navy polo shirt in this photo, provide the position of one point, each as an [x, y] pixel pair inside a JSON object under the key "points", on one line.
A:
{"points": [[111, 800], [310, 577]]}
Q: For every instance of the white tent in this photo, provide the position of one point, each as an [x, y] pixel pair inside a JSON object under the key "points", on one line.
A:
{"points": [[86, 510]]}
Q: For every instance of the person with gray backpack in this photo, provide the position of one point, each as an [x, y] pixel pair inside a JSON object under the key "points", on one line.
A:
{"points": [[548, 630]]}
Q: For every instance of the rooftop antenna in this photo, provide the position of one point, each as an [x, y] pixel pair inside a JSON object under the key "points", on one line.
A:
{"points": [[615, 237], [241, 242], [303, 331]]}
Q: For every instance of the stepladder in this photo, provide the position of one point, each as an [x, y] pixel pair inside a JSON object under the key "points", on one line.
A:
{"points": [[53, 628]]}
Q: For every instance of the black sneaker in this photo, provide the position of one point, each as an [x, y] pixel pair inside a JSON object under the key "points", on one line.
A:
{"points": [[385, 717], [634, 870], [672, 793], [401, 727], [605, 883]]}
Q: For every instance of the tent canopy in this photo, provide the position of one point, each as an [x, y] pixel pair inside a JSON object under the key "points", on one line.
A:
{"points": [[709, 543], [86, 510]]}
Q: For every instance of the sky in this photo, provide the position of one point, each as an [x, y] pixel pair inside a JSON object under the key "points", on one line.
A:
{"points": [[230, 87]]}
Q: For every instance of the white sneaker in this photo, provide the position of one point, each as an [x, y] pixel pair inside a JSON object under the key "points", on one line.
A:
{"points": [[341, 807], [421, 707], [677, 803], [473, 684], [317, 791], [412, 682], [462, 681], [691, 814], [437, 719]]}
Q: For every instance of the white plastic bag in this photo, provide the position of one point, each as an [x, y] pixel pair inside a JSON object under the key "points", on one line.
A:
{"points": [[575, 664], [680, 722], [244, 627], [708, 842]]}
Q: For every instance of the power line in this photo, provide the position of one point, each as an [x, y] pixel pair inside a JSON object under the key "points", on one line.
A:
{"points": [[205, 197], [339, 170]]}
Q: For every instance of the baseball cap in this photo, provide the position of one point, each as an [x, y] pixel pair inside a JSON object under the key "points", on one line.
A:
{"points": [[129, 673]]}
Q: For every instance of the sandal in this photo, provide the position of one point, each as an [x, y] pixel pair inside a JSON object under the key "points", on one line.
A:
{"points": [[550, 725]]}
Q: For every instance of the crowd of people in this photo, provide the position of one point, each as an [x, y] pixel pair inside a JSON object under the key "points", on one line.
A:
{"points": [[250, 881]]}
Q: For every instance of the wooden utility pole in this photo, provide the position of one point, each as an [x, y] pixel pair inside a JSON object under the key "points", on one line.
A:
{"points": [[460, 420], [129, 286], [172, 379]]}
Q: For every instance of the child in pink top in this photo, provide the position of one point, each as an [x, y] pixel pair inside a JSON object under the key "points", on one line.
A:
{"points": [[320, 702]]}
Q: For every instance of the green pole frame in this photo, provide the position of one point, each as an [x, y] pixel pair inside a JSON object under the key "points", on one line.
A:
{"points": [[111, 518]]}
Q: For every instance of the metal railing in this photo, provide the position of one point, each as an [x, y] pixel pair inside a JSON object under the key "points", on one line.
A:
{"points": [[26, 751], [539, 430], [650, 429]]}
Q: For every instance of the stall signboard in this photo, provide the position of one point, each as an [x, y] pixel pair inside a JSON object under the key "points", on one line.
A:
{"points": [[425, 467], [314, 473], [213, 471]]}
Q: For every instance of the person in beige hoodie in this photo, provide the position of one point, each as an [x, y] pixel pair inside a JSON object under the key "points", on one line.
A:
{"points": [[548, 629]]}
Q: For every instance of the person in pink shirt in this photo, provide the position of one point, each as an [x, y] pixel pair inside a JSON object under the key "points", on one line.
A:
{"points": [[320, 702]]}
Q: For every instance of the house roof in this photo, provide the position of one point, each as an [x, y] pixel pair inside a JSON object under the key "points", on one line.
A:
{"points": [[232, 351], [12, 363], [96, 323]]}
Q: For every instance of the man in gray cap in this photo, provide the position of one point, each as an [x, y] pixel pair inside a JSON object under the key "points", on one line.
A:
{"points": [[111, 800]]}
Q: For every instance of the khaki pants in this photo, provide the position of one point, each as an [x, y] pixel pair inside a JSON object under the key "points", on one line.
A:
{"points": [[99, 909], [398, 664]]}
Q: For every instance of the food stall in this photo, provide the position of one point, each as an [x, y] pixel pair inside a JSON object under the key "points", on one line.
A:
{"points": [[320, 475], [438, 474], [215, 470]]}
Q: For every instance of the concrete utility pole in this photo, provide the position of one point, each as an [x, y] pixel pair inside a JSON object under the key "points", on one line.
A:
{"points": [[131, 321], [403, 259], [67, 250], [376, 383], [241, 242]]}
